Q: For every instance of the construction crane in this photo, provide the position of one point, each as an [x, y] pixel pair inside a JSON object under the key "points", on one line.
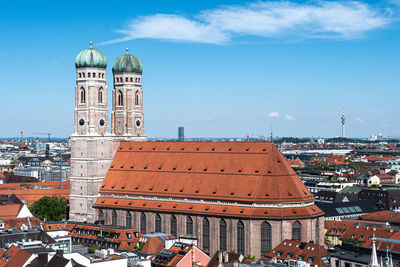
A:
{"points": [[48, 134]]}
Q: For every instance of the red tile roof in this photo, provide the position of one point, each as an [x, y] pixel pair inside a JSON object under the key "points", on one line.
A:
{"points": [[31, 192], [14, 256], [127, 238], [364, 233], [16, 223], [9, 210], [337, 228], [225, 171], [296, 250], [381, 216]]}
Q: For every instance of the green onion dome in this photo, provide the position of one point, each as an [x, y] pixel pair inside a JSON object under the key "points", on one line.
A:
{"points": [[91, 58], [127, 64]]}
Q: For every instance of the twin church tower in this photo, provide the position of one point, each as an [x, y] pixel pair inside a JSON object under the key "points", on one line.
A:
{"points": [[93, 146]]}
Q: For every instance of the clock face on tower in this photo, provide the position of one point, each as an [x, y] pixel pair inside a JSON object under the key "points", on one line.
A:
{"points": [[138, 123], [81, 122], [102, 122]]}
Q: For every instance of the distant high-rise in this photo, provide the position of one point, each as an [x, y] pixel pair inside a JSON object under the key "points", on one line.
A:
{"points": [[181, 133]]}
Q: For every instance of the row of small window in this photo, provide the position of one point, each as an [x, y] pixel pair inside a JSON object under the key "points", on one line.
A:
{"points": [[120, 98], [90, 75], [121, 80], [92, 242], [99, 95], [265, 233]]}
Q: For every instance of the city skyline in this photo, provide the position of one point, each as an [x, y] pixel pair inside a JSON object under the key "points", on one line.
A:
{"points": [[208, 73]]}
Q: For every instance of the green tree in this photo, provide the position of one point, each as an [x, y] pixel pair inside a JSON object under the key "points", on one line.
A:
{"points": [[52, 208], [92, 249], [327, 242], [26, 180]]}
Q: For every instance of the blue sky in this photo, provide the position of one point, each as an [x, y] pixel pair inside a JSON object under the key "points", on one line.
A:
{"points": [[219, 68]]}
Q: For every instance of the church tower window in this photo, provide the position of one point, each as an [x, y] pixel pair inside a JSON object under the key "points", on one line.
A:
{"points": [[100, 95], [83, 95], [137, 98], [120, 98]]}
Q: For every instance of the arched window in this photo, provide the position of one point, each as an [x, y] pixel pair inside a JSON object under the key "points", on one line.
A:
{"points": [[131, 79], [296, 231], [222, 235], [143, 223], [120, 98], [94, 75], [189, 226], [135, 80], [173, 226], [158, 223], [114, 218], [83, 74], [88, 75], [137, 98], [83, 95], [102, 75], [240, 238], [317, 232], [101, 216], [80, 75], [126, 79], [100, 95], [128, 219], [265, 238], [139, 80], [206, 234]]}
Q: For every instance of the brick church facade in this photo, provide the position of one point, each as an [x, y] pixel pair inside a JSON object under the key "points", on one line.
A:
{"points": [[231, 196]]}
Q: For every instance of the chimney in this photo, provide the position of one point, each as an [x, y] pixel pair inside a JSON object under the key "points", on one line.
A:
{"points": [[226, 256], [220, 257]]}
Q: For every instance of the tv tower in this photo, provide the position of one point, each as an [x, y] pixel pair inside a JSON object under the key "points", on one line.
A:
{"points": [[343, 119]]}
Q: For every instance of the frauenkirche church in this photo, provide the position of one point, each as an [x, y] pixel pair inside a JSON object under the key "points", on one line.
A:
{"points": [[232, 196]]}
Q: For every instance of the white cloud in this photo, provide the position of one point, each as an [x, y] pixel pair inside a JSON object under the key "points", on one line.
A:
{"points": [[359, 120], [289, 118], [275, 19], [273, 114]]}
